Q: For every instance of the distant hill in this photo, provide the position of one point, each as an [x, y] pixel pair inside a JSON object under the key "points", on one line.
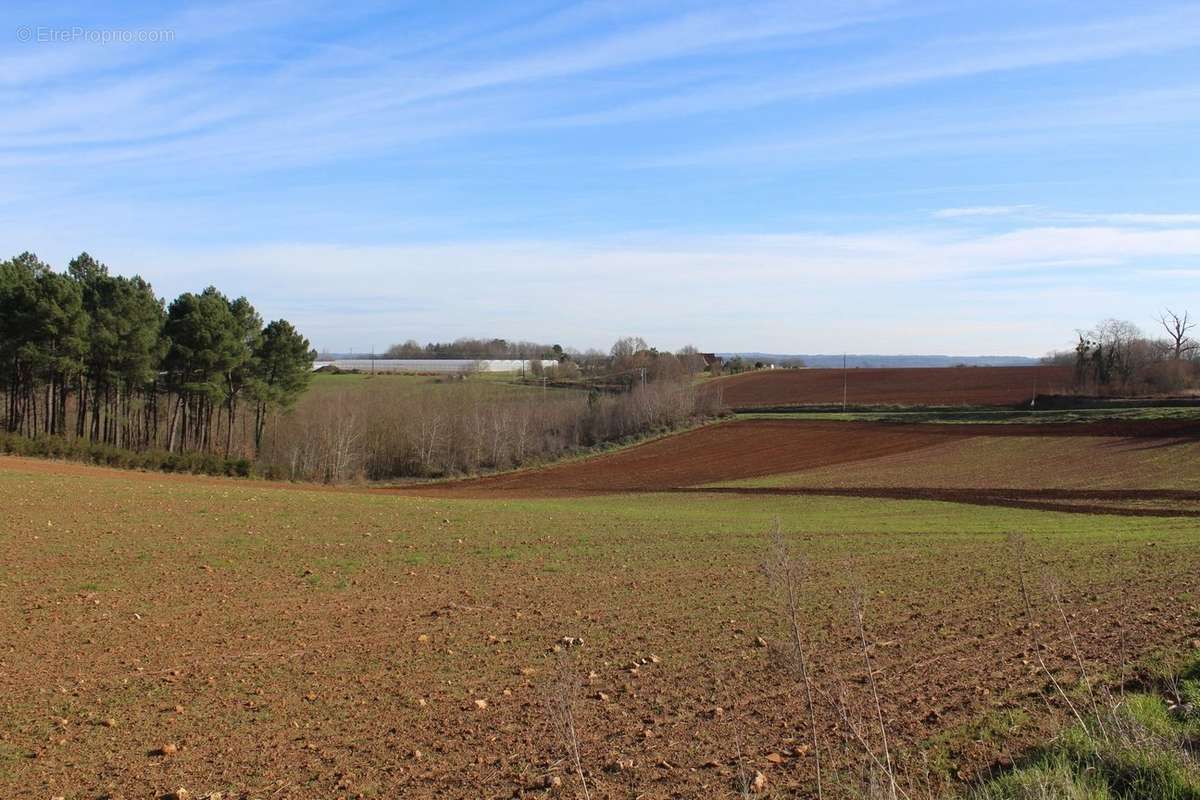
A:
{"points": [[855, 360]]}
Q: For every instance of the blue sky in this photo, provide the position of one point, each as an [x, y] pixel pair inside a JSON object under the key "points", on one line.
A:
{"points": [[942, 177]]}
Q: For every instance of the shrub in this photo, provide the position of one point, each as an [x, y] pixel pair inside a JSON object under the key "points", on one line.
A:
{"points": [[109, 456]]}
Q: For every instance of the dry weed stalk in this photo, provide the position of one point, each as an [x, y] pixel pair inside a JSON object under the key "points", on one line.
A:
{"points": [[1052, 588], [743, 780], [786, 577], [859, 614], [560, 701], [1036, 640], [838, 705]]}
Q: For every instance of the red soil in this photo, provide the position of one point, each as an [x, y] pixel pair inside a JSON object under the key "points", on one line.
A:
{"points": [[754, 448], [991, 386], [730, 451]]}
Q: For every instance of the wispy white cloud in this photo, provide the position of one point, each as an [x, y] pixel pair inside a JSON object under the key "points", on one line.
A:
{"points": [[240, 91], [988, 126], [928, 61], [1030, 213], [980, 211]]}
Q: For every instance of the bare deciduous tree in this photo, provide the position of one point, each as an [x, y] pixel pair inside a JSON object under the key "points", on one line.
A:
{"points": [[1177, 328]]}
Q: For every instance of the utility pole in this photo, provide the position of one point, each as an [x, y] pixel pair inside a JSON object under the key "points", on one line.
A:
{"points": [[372, 359], [844, 384], [643, 371]]}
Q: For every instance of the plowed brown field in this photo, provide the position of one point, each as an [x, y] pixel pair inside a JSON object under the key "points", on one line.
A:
{"points": [[728, 451], [976, 386], [1129, 468]]}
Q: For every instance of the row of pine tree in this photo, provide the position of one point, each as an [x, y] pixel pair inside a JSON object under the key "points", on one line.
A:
{"points": [[91, 355]]}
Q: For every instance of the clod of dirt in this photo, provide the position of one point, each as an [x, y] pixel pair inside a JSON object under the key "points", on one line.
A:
{"points": [[310, 697], [108, 722], [552, 782], [759, 784], [178, 794], [481, 704], [653, 659], [602, 697], [760, 641], [775, 758], [712, 763], [168, 749], [424, 637], [527, 671], [571, 641]]}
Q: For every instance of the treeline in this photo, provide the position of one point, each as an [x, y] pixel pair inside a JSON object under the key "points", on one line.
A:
{"points": [[474, 348], [629, 362], [369, 432], [625, 363], [86, 355], [1116, 356]]}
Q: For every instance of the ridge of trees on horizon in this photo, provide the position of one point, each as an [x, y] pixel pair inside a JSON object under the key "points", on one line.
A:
{"points": [[85, 354], [627, 356], [475, 348]]}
